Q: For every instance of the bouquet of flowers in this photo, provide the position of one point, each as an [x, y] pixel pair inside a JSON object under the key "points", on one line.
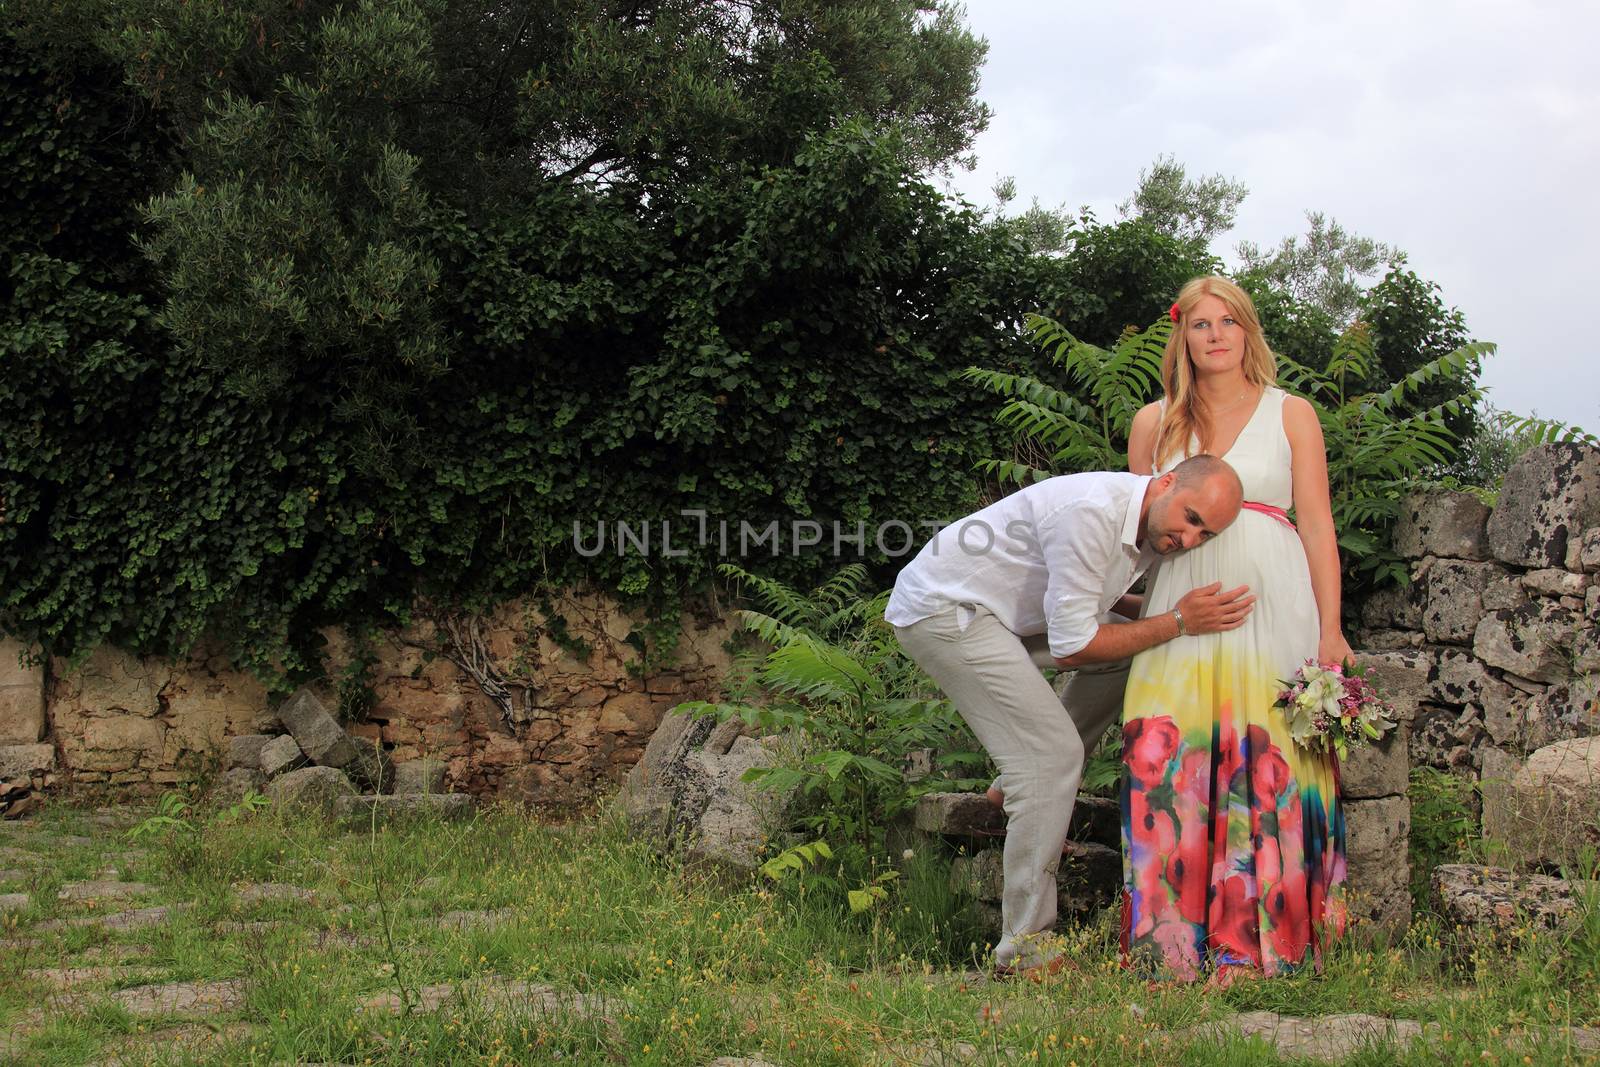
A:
{"points": [[1333, 706]]}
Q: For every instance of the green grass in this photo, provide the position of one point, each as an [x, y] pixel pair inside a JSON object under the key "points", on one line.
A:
{"points": [[691, 967]]}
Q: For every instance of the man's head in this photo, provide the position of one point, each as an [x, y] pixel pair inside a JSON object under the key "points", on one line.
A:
{"points": [[1191, 503]]}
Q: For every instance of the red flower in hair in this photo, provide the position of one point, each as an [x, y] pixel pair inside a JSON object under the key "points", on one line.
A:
{"points": [[1172, 312]]}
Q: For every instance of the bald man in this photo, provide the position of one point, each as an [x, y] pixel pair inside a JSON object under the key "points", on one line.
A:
{"points": [[1038, 580]]}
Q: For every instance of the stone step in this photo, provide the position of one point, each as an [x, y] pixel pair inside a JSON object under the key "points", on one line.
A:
{"points": [[1089, 878], [135, 919], [1328, 1038], [73, 977], [191, 1042], [476, 920], [971, 816], [255, 893]]}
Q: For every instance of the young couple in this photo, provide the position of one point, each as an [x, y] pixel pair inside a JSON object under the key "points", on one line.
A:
{"points": [[1233, 838]]}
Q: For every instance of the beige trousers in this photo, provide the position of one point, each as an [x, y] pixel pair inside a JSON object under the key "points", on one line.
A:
{"points": [[1038, 741]]}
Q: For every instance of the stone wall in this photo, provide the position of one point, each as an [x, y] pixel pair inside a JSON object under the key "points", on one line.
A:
{"points": [[1493, 650], [580, 711], [22, 718]]}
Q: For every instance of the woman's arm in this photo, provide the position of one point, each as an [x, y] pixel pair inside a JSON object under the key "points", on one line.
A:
{"points": [[1313, 514], [1142, 439]]}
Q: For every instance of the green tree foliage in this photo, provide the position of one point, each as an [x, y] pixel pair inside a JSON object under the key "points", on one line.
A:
{"points": [[387, 338], [1063, 433], [1498, 438], [1040, 229], [1322, 268], [1120, 275], [1378, 442], [1192, 210], [1411, 326]]}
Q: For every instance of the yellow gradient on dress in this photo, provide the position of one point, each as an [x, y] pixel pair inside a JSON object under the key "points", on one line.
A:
{"points": [[1233, 837]]}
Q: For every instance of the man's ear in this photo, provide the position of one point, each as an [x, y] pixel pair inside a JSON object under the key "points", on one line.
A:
{"points": [[1163, 483]]}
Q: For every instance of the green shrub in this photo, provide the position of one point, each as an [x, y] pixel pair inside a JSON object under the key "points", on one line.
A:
{"points": [[1444, 825], [836, 677]]}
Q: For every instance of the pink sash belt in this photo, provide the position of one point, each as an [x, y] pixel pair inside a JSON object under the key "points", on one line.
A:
{"points": [[1267, 509]]}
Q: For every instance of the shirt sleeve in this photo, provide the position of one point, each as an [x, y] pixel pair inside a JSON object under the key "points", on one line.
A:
{"points": [[1077, 542]]}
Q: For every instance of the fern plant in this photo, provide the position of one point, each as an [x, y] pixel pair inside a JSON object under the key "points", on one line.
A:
{"points": [[1069, 433], [1376, 447], [833, 675]]}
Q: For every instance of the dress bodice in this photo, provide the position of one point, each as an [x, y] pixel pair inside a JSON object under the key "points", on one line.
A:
{"points": [[1261, 455]]}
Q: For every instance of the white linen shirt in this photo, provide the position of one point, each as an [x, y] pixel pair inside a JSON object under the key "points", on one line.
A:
{"points": [[1053, 557]]}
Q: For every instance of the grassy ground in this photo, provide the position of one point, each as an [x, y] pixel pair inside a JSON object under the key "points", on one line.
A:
{"points": [[630, 959]]}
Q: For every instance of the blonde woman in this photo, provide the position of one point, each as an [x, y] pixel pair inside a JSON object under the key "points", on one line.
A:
{"points": [[1233, 838]]}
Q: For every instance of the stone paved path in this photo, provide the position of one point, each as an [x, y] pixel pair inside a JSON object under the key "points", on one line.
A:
{"points": [[255, 893], [476, 920], [183, 998], [1333, 1038], [501, 993], [1329, 1038], [192, 1040], [72, 977], [133, 919], [103, 890]]}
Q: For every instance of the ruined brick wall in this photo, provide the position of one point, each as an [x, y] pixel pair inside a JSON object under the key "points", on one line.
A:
{"points": [[580, 712]]}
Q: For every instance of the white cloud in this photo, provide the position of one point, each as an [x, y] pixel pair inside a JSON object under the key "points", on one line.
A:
{"points": [[1466, 133]]}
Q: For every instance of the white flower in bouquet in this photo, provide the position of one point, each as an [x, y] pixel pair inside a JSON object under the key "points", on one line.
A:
{"points": [[1333, 707]]}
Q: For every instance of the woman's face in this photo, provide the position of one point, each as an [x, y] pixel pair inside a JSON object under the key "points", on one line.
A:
{"points": [[1214, 339]]}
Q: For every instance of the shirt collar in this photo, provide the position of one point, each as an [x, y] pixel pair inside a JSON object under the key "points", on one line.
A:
{"points": [[1130, 524]]}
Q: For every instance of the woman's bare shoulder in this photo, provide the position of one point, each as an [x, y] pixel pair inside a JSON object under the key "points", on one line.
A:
{"points": [[1297, 410]]}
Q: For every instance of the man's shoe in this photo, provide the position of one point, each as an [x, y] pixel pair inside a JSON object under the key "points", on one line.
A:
{"points": [[1037, 972]]}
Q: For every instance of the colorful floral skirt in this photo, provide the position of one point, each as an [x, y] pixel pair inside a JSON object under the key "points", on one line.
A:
{"points": [[1233, 836]]}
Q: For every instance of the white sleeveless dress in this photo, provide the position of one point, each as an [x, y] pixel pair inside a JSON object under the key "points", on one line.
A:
{"points": [[1233, 837]]}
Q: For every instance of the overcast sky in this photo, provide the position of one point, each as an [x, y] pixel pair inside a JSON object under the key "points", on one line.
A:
{"points": [[1466, 133]]}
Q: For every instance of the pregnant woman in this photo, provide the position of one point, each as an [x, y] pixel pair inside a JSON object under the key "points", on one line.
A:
{"points": [[1233, 837]]}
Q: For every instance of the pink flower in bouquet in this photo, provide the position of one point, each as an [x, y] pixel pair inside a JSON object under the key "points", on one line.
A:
{"points": [[1333, 706]]}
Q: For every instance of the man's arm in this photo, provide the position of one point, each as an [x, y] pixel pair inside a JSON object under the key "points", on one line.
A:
{"points": [[1206, 610]]}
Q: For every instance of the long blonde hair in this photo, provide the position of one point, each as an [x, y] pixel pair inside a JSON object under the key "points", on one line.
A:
{"points": [[1186, 414]]}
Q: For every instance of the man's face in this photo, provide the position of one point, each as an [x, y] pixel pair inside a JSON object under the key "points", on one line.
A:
{"points": [[1180, 519]]}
